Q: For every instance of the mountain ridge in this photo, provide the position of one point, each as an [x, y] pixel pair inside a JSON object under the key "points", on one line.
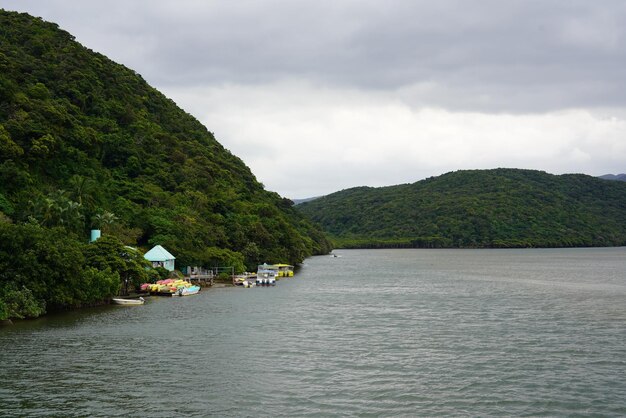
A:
{"points": [[76, 127], [614, 177], [498, 208]]}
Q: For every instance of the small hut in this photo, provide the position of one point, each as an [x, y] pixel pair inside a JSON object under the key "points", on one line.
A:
{"points": [[160, 257]]}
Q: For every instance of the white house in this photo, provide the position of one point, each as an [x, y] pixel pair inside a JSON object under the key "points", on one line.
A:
{"points": [[160, 257]]}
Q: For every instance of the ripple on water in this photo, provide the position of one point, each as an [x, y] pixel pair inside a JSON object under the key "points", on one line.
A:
{"points": [[404, 333]]}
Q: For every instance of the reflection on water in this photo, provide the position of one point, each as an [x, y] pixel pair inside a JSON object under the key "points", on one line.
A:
{"points": [[377, 332]]}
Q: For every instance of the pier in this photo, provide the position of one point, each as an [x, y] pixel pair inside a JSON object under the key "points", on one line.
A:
{"points": [[201, 280]]}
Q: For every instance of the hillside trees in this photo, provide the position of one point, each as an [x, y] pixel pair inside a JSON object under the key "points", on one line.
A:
{"points": [[86, 142], [44, 269], [499, 208], [74, 121], [110, 254]]}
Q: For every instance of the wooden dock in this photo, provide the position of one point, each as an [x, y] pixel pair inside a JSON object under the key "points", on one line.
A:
{"points": [[201, 280]]}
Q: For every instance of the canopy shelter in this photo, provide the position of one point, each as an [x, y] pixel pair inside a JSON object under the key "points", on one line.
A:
{"points": [[160, 257]]}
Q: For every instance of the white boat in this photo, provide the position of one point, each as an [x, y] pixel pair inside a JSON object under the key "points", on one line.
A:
{"points": [[266, 275], [266, 281], [186, 291], [119, 301]]}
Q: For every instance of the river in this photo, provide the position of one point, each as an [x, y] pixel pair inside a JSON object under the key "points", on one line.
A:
{"points": [[368, 333]]}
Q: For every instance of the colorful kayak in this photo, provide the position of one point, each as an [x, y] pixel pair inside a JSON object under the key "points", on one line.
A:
{"points": [[169, 287]]}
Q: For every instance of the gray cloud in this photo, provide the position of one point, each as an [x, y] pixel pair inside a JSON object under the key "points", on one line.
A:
{"points": [[348, 93], [491, 55]]}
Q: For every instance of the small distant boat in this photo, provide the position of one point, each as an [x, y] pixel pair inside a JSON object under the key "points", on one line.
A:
{"points": [[266, 275], [266, 281], [284, 270], [243, 279], [129, 302], [186, 291]]}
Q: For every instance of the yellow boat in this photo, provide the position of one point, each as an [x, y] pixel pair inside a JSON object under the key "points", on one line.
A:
{"points": [[284, 270]]}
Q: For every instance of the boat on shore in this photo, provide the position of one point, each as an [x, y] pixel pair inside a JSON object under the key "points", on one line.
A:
{"points": [[242, 279], [186, 291], [128, 302], [170, 287], [246, 280]]}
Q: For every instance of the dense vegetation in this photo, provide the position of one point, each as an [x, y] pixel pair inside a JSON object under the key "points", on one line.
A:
{"points": [[86, 142], [483, 208]]}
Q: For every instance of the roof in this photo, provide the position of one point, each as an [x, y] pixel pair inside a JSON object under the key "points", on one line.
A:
{"points": [[158, 253]]}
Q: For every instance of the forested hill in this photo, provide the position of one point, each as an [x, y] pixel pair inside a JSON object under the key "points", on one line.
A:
{"points": [[86, 142], [479, 208], [617, 177]]}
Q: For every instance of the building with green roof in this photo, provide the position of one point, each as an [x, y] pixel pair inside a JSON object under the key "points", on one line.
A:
{"points": [[160, 257]]}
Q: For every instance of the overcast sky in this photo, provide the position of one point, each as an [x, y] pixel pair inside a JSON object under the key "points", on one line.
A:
{"points": [[321, 95]]}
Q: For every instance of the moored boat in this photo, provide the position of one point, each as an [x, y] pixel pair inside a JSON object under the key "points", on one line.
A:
{"points": [[266, 281], [128, 302], [186, 291], [242, 279], [266, 275], [284, 270]]}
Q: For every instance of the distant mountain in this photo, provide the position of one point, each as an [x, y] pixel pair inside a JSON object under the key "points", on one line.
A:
{"points": [[308, 199], [618, 177], [477, 208]]}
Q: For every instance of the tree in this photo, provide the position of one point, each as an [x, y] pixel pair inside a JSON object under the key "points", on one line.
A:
{"points": [[110, 253], [219, 257], [104, 220], [83, 190], [44, 269], [56, 209], [8, 148], [19, 303], [251, 254]]}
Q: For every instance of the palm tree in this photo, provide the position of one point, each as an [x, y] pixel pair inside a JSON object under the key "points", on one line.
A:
{"points": [[104, 220], [83, 189]]}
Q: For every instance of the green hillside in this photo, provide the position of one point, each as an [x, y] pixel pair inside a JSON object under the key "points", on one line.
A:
{"points": [[480, 208], [86, 142]]}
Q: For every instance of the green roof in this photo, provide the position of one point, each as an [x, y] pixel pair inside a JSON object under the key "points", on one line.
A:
{"points": [[158, 253]]}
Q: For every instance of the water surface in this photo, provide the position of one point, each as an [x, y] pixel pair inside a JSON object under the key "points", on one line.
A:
{"points": [[369, 333]]}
